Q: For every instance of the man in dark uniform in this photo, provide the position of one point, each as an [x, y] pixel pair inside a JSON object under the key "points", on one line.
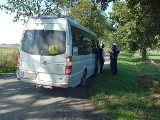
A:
{"points": [[113, 58], [101, 57]]}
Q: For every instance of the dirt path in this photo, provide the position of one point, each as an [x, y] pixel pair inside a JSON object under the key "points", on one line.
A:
{"points": [[22, 101]]}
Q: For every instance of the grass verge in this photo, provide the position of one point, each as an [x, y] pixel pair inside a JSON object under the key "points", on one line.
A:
{"points": [[133, 94], [8, 69], [8, 59]]}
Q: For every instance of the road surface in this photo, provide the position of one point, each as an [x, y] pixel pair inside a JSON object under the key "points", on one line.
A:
{"points": [[22, 101]]}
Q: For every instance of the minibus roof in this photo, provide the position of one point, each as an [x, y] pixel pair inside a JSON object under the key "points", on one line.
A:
{"points": [[64, 17]]}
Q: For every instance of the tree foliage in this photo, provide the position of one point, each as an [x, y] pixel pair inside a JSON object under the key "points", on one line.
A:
{"points": [[136, 23], [87, 14], [150, 10], [29, 8], [135, 27]]}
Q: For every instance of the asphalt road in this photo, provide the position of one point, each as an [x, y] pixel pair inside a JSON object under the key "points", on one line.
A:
{"points": [[22, 101]]}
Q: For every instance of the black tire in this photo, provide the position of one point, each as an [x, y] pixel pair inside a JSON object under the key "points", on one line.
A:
{"points": [[84, 79]]}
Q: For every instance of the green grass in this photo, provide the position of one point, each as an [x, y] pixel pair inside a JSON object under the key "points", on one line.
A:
{"points": [[154, 57], [7, 69], [133, 94], [8, 59]]}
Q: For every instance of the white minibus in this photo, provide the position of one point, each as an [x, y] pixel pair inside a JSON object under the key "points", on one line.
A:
{"points": [[55, 51]]}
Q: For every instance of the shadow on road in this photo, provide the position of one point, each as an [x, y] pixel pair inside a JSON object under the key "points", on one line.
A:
{"points": [[77, 92], [20, 101]]}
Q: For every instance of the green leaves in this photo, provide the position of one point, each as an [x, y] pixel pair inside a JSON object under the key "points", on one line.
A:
{"points": [[135, 25], [87, 14], [28, 8]]}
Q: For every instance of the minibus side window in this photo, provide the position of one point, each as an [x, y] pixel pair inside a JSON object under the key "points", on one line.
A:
{"points": [[82, 41]]}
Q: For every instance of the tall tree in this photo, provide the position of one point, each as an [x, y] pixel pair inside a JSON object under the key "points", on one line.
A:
{"points": [[134, 29], [148, 17]]}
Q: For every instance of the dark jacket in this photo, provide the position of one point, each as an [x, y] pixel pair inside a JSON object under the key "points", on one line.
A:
{"points": [[114, 53]]}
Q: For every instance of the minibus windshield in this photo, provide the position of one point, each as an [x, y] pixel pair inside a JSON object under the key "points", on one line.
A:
{"points": [[44, 42]]}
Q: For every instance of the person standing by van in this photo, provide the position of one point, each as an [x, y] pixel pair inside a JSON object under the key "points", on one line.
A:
{"points": [[101, 57], [113, 58]]}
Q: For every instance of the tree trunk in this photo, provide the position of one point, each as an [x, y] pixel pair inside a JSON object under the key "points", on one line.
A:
{"points": [[144, 53], [143, 49]]}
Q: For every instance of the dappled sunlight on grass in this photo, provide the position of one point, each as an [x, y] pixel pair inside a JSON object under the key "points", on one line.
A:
{"points": [[154, 59], [131, 94], [132, 63]]}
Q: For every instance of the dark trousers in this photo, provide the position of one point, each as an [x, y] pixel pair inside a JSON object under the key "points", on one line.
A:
{"points": [[101, 65], [113, 66]]}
